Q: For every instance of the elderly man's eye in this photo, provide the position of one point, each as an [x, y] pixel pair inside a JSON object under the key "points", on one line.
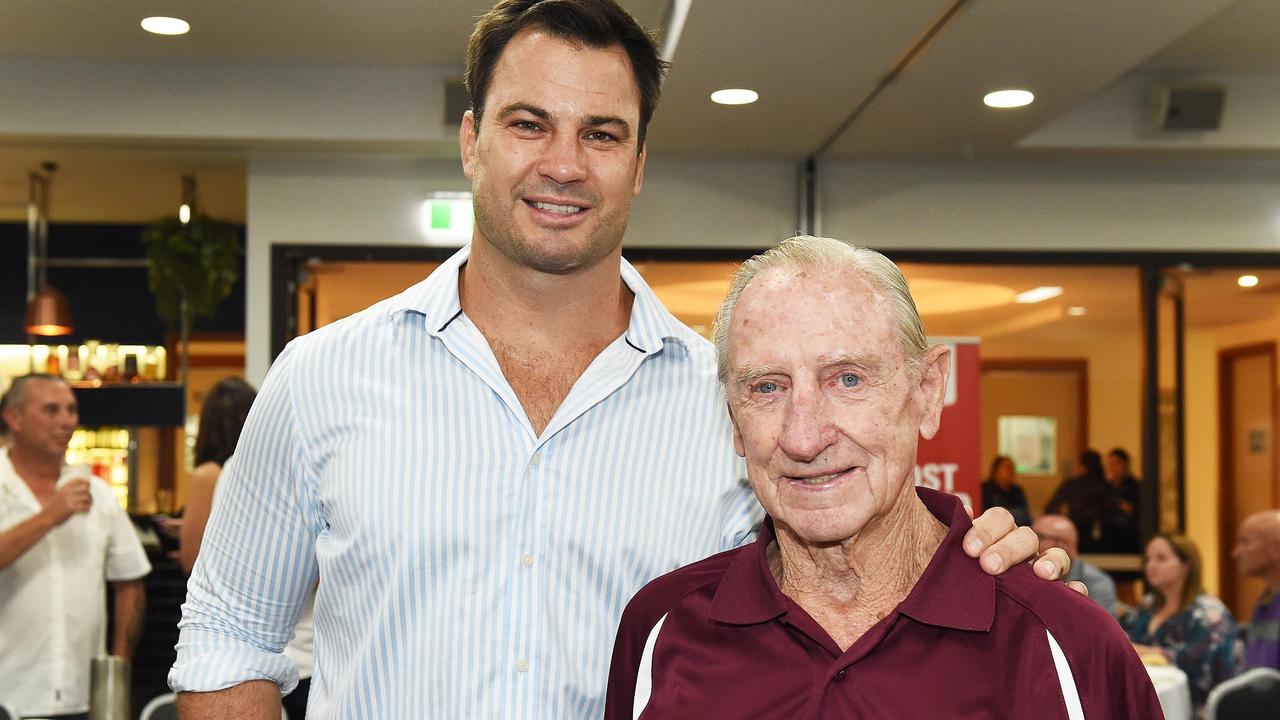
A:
{"points": [[766, 387], [850, 380]]}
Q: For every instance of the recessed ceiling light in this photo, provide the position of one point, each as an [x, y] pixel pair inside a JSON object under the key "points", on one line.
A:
{"points": [[1247, 280], [735, 96], [1008, 98], [1040, 294], [1076, 310], [165, 25]]}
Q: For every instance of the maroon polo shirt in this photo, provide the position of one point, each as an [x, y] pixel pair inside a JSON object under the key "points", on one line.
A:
{"points": [[718, 639]]}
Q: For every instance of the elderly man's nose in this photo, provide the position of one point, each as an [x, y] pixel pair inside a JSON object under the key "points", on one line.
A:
{"points": [[807, 430]]}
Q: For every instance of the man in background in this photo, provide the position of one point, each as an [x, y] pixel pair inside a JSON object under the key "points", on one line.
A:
{"points": [[1057, 531], [1257, 554], [1123, 526], [62, 538]]}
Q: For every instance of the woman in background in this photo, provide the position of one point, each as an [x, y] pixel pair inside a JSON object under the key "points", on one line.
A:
{"points": [[1179, 620], [999, 490]]}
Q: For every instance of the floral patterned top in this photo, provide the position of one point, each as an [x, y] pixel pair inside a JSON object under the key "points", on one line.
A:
{"points": [[1200, 640]]}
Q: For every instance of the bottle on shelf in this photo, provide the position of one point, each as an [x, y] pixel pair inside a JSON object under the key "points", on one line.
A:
{"points": [[91, 362], [111, 366], [130, 368], [72, 371], [52, 365]]}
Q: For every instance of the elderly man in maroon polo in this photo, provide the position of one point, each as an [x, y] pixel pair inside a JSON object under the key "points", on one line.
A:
{"points": [[856, 600]]}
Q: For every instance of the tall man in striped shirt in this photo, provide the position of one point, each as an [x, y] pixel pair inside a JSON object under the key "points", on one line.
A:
{"points": [[482, 470]]}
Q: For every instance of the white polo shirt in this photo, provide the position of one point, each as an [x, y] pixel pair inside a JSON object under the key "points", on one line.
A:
{"points": [[53, 597]]}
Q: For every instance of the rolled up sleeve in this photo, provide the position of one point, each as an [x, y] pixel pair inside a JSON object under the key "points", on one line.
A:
{"points": [[257, 557]]}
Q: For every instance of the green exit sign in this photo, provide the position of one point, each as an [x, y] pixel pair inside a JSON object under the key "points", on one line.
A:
{"points": [[447, 218]]}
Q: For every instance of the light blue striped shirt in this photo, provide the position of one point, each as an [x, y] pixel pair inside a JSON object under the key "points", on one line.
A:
{"points": [[468, 567]]}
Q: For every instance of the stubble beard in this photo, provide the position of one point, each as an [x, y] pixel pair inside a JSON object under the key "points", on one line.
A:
{"points": [[553, 253]]}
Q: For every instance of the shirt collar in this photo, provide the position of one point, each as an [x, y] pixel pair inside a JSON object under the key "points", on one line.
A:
{"points": [[436, 299], [748, 594], [953, 592]]}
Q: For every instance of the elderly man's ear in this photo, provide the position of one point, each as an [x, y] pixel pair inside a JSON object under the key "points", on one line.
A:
{"points": [[932, 389], [738, 445]]}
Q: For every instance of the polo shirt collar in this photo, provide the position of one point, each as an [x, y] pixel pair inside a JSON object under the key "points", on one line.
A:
{"points": [[748, 594], [437, 301], [953, 592]]}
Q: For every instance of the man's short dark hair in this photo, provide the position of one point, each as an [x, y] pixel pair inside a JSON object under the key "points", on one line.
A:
{"points": [[17, 393], [1120, 453], [591, 23]]}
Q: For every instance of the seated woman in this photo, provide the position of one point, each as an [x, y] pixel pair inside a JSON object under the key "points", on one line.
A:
{"points": [[1179, 621], [999, 490]]}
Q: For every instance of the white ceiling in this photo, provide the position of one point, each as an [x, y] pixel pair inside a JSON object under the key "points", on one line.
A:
{"points": [[408, 32], [906, 77]]}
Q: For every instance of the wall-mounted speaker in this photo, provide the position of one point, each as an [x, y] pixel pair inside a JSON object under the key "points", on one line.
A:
{"points": [[1189, 108], [456, 102]]}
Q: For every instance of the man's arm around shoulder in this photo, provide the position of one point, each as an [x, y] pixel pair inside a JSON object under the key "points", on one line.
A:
{"points": [[253, 700]]}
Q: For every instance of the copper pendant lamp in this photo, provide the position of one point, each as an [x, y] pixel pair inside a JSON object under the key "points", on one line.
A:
{"points": [[48, 312]]}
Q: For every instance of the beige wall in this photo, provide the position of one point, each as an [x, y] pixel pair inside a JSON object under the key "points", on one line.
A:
{"points": [[1115, 382], [1201, 389]]}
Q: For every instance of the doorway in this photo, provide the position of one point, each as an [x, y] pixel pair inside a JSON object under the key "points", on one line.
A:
{"points": [[1247, 478]]}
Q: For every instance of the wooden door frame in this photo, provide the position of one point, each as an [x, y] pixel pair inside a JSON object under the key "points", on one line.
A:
{"points": [[1226, 462], [1078, 365]]}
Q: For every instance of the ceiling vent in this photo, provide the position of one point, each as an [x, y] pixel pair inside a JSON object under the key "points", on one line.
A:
{"points": [[1189, 108], [455, 102]]}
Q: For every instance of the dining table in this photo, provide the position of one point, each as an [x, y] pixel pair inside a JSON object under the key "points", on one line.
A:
{"points": [[1172, 689]]}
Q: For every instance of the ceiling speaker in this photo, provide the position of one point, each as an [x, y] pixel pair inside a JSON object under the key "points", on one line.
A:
{"points": [[1189, 108]]}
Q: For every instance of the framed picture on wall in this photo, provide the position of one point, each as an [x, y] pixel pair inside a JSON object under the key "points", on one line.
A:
{"points": [[1031, 441]]}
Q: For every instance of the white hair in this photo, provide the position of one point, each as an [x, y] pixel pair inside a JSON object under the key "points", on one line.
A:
{"points": [[806, 251]]}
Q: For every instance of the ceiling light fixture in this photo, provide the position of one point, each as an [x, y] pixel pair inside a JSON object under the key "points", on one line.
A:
{"points": [[1008, 98], [1076, 310], [735, 96], [48, 312], [159, 25], [188, 206], [1040, 294], [1247, 281]]}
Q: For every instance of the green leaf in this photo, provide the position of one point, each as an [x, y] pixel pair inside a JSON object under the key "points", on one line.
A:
{"points": [[198, 260]]}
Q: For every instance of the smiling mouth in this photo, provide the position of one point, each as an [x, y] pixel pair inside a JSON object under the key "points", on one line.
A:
{"points": [[818, 479], [555, 208]]}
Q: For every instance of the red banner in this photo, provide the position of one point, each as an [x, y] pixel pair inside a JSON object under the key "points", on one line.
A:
{"points": [[951, 461]]}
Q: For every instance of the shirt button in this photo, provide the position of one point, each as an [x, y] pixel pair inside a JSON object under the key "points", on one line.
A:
{"points": [[522, 665], [526, 560], [537, 458], [839, 675]]}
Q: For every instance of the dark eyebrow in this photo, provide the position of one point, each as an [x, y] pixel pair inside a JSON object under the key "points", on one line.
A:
{"points": [[602, 120], [509, 110]]}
